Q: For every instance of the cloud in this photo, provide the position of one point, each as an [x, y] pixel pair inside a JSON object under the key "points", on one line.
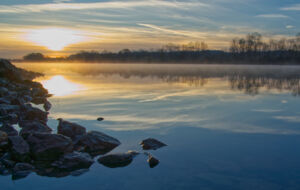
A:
{"points": [[294, 119], [98, 5], [295, 7], [61, 1], [272, 16], [289, 26], [266, 110]]}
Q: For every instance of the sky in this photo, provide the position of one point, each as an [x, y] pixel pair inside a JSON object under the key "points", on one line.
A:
{"points": [[62, 27]]}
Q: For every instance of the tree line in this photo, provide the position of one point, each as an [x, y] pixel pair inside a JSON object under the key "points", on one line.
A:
{"points": [[250, 49]]}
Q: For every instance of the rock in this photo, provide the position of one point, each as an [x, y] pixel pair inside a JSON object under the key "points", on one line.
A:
{"points": [[151, 144], [117, 159], [10, 108], [3, 136], [9, 130], [29, 127], [18, 101], [19, 149], [96, 143], [3, 91], [70, 129], [100, 119], [3, 142], [49, 147], [47, 105], [79, 172], [10, 118], [3, 170], [7, 161], [32, 113], [21, 170], [4, 100], [74, 161], [152, 161]]}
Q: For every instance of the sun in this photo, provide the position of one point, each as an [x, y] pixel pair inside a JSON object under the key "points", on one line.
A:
{"points": [[55, 39]]}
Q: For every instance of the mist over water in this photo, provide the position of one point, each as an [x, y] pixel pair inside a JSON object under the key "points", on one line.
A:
{"points": [[226, 126]]}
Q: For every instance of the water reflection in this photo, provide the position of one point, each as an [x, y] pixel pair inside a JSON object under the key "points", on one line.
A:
{"points": [[59, 86], [248, 79]]}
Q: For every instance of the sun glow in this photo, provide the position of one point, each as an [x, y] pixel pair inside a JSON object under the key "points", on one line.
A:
{"points": [[55, 39], [60, 86]]}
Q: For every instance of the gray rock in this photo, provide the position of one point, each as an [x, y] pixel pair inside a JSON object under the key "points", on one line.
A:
{"points": [[9, 130], [74, 161], [117, 159], [49, 147], [19, 149], [151, 144], [70, 129], [29, 127], [96, 143]]}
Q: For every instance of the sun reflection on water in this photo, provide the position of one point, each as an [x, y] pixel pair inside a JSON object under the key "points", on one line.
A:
{"points": [[60, 86]]}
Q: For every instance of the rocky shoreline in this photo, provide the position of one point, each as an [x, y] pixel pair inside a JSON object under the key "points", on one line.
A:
{"points": [[34, 148]]}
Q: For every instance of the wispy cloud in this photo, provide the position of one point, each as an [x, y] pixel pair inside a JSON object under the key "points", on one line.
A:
{"points": [[98, 5], [272, 16], [294, 119], [295, 7]]}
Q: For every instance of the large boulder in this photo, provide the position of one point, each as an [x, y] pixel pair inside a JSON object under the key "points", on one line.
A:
{"points": [[96, 143], [9, 130], [32, 113], [29, 127], [69, 129], [49, 147], [73, 161], [117, 159], [19, 149], [151, 144]]}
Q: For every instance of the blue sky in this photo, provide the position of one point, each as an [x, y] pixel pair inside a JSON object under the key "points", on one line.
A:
{"points": [[137, 24]]}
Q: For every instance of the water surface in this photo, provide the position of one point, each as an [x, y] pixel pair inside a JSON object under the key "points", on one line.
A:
{"points": [[227, 127]]}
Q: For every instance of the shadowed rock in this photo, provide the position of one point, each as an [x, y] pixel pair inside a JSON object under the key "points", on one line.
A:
{"points": [[152, 161], [19, 148], [100, 119], [48, 147], [70, 129], [117, 159], [151, 144], [36, 114], [96, 143], [7, 161], [47, 105], [9, 130], [21, 170], [73, 161], [30, 127]]}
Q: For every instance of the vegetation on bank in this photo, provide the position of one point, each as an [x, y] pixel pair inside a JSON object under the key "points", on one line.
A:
{"points": [[251, 49]]}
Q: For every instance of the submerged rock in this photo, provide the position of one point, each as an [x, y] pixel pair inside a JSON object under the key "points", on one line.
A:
{"points": [[70, 129], [74, 161], [117, 159], [9, 130], [49, 147], [152, 161], [19, 148], [96, 143], [151, 144]]}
